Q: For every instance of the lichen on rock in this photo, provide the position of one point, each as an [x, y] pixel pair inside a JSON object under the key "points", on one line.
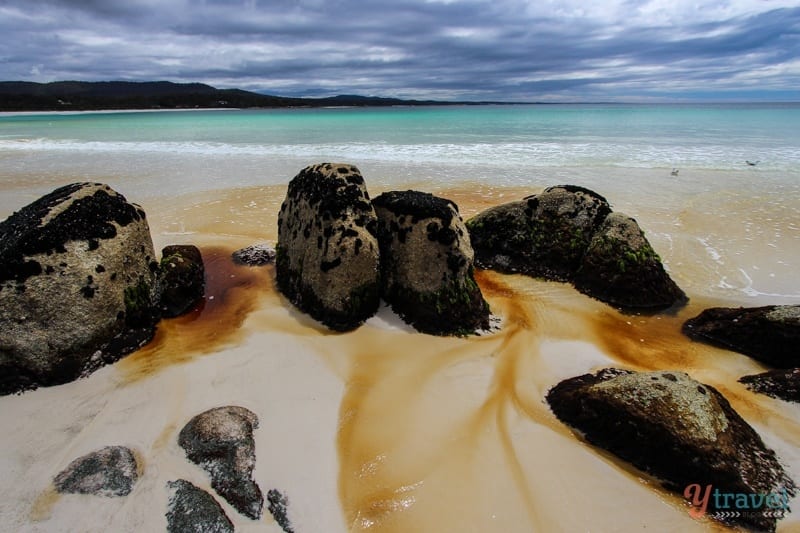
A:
{"points": [[427, 264], [677, 429], [327, 255], [182, 279]]}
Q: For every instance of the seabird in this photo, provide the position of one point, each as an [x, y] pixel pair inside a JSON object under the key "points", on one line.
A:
{"points": [[674, 172], [752, 163]]}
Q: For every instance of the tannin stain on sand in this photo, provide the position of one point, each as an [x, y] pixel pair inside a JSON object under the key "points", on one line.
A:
{"points": [[232, 293]]}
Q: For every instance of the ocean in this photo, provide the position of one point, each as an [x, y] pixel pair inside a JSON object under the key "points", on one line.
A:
{"points": [[384, 429]]}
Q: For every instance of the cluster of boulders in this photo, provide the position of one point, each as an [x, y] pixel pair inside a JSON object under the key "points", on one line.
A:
{"points": [[220, 441], [338, 254], [569, 233], [80, 285]]}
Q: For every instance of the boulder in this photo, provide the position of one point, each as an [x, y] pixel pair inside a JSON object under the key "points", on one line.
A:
{"points": [[427, 264], [182, 279], [677, 429], [110, 471], [221, 442], [569, 233], [544, 235], [327, 256], [192, 509], [783, 384], [621, 268], [254, 255], [77, 268], [770, 334]]}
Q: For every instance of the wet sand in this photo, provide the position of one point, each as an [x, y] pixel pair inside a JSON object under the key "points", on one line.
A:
{"points": [[385, 429]]}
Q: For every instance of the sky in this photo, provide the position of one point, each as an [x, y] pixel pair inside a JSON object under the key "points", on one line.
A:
{"points": [[500, 50]]}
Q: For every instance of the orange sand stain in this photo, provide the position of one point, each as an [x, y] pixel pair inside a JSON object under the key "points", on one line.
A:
{"points": [[232, 293]]}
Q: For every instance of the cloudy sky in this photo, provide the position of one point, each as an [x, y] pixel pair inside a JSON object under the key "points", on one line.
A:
{"points": [[570, 50]]}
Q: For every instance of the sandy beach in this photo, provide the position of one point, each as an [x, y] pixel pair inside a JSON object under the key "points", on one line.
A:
{"points": [[385, 429]]}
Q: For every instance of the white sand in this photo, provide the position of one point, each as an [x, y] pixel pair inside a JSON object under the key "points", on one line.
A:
{"points": [[381, 429]]}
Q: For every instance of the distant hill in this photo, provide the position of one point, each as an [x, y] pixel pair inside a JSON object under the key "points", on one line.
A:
{"points": [[82, 96]]}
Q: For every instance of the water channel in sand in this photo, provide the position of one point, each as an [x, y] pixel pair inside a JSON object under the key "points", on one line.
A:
{"points": [[453, 434]]}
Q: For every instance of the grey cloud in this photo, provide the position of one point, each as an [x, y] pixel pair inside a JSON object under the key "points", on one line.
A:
{"points": [[472, 49]]}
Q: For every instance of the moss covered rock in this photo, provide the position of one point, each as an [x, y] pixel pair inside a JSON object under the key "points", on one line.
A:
{"points": [[327, 255], [569, 233], [770, 333], [544, 235], [77, 269], [620, 267], [677, 429], [427, 264], [182, 278]]}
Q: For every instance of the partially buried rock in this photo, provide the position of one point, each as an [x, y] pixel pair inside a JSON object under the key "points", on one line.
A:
{"points": [[677, 429], [621, 268], [770, 334], [544, 235], [193, 509], [77, 268], [221, 441], [427, 264], [327, 260], [254, 255], [109, 471], [278, 505], [779, 383], [182, 279]]}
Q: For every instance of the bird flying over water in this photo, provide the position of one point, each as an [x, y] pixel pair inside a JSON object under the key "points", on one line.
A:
{"points": [[752, 163]]}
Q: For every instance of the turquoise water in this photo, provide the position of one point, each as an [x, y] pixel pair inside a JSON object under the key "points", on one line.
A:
{"points": [[628, 136]]}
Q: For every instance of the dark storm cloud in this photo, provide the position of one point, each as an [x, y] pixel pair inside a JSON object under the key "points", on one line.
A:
{"points": [[474, 49]]}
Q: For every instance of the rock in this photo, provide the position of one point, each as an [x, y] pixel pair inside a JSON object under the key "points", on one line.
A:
{"points": [[621, 268], [278, 507], [427, 264], [221, 441], [770, 334], [544, 235], [192, 509], [327, 261], [182, 279], [779, 383], [568, 233], [77, 268], [109, 471], [255, 255], [677, 429]]}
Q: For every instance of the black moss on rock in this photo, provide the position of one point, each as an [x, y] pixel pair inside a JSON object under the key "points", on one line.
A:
{"points": [[257, 255], [278, 505], [89, 219], [417, 205]]}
